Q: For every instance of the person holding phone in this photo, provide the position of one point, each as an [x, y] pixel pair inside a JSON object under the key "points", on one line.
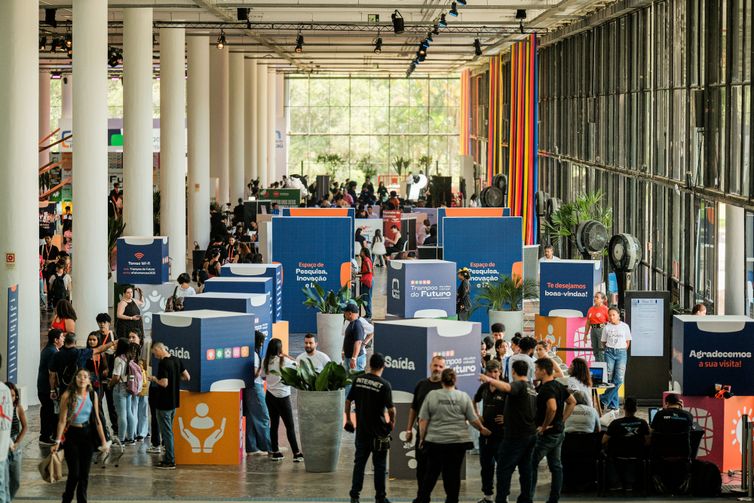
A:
{"points": [[128, 313]]}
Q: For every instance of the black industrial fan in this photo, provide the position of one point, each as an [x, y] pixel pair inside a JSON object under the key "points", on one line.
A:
{"points": [[591, 238], [624, 252]]}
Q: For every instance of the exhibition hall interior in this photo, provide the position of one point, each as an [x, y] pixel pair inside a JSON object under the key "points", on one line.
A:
{"points": [[324, 250]]}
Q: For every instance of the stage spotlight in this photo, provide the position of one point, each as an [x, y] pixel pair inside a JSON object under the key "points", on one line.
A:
{"points": [[429, 37], [435, 29], [50, 17], [477, 47], [398, 24], [299, 43], [453, 10], [378, 45], [42, 43], [68, 41], [242, 13], [221, 40], [442, 23]]}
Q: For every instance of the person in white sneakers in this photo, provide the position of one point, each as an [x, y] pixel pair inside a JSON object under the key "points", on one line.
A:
{"points": [[317, 358]]}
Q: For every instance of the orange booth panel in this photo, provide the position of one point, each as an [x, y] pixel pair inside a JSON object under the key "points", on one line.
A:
{"points": [[280, 331], [722, 425], [208, 428], [567, 334]]}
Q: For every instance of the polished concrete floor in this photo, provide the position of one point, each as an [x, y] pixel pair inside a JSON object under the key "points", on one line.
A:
{"points": [[257, 478]]}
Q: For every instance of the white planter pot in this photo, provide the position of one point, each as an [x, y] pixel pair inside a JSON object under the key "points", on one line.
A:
{"points": [[513, 321], [320, 419], [330, 335]]}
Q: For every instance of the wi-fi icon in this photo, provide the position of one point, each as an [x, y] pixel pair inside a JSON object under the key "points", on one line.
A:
{"points": [[139, 255]]}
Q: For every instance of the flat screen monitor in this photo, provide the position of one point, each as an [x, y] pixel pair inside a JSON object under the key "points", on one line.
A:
{"points": [[651, 413], [598, 375]]}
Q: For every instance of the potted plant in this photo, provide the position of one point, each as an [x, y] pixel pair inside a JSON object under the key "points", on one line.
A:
{"points": [[504, 301], [400, 164], [366, 166], [320, 398], [562, 224], [330, 306]]}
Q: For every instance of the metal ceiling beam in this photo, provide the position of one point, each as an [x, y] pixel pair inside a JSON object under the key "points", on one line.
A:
{"points": [[382, 7]]}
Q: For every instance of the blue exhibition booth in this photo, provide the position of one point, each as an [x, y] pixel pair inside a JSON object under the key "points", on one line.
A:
{"points": [[568, 285], [421, 288], [272, 271], [255, 304], [142, 260]]}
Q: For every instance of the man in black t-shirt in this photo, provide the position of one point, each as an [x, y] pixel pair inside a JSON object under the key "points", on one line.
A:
{"points": [[519, 432], [373, 395], [422, 389], [354, 354], [554, 404], [170, 372], [493, 402], [627, 437], [672, 418]]}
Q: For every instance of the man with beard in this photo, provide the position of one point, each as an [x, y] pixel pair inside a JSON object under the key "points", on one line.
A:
{"points": [[318, 359]]}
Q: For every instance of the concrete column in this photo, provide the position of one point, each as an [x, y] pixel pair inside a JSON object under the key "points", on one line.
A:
{"points": [[271, 125], [173, 145], [250, 121], [66, 98], [44, 114], [262, 140], [137, 122], [735, 260], [19, 186], [218, 121], [198, 141], [90, 260], [237, 109]]}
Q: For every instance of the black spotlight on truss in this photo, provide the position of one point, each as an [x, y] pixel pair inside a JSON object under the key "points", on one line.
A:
{"points": [[242, 13], [422, 50], [50, 17], [68, 41], [299, 43], [442, 23], [477, 47], [221, 40], [398, 24], [436, 29], [378, 45], [461, 2], [429, 38], [453, 9], [424, 44], [520, 16]]}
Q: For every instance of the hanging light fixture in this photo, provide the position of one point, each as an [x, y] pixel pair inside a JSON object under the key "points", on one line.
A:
{"points": [[477, 47], [378, 45], [453, 10], [398, 23], [221, 40], [299, 43], [442, 23]]}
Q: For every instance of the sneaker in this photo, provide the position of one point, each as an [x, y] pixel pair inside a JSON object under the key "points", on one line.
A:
{"points": [[383, 500], [154, 449], [297, 458], [129, 441], [354, 500], [277, 456], [486, 499], [139, 439], [46, 443], [165, 466]]}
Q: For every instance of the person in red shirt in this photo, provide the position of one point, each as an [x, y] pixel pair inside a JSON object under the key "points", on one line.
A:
{"points": [[366, 279], [596, 318]]}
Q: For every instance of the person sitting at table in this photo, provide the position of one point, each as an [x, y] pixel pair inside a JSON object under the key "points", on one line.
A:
{"points": [[396, 242], [672, 418], [584, 417], [626, 437]]}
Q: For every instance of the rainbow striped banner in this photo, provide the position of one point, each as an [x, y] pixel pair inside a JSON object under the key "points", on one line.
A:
{"points": [[464, 111]]}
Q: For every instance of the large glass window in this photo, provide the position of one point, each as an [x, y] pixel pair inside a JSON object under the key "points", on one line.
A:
{"points": [[370, 123]]}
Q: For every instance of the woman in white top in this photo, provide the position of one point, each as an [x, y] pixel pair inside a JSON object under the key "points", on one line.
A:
{"points": [[616, 339], [278, 399], [584, 418], [184, 286], [579, 379]]}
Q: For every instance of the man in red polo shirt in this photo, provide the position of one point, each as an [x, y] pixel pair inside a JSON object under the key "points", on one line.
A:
{"points": [[596, 318]]}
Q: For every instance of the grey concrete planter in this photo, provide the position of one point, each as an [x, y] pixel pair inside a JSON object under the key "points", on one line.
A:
{"points": [[320, 419], [330, 335], [513, 321]]}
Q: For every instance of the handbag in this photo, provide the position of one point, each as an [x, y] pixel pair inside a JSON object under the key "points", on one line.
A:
{"points": [[51, 467]]}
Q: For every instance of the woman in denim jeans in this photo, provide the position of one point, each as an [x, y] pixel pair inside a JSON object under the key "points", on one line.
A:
{"points": [[123, 400], [616, 339], [255, 407]]}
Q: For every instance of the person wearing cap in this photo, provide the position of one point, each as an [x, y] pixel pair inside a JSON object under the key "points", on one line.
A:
{"points": [[463, 295], [354, 353], [672, 418]]}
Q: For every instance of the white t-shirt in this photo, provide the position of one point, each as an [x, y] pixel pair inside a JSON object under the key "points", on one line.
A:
{"points": [[583, 419], [6, 419], [575, 385], [553, 259], [526, 358], [120, 369], [257, 362], [318, 359], [275, 384], [181, 292], [616, 336]]}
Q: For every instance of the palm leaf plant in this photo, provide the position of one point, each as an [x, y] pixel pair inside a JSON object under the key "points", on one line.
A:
{"points": [[330, 302], [304, 377], [507, 294]]}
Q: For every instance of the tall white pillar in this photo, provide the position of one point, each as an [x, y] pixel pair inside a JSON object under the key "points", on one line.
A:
{"points": [[198, 141], [735, 260], [271, 125], [137, 122], [66, 99], [250, 120], [90, 260], [262, 140], [44, 114], [218, 121], [237, 149], [173, 145], [19, 189]]}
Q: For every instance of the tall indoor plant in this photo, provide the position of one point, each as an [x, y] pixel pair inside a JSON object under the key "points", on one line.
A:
{"points": [[329, 306], [320, 397], [504, 300], [562, 223]]}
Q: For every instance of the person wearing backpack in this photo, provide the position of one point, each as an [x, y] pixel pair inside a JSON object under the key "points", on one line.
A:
{"points": [[183, 289], [119, 382], [59, 285], [67, 361], [138, 373]]}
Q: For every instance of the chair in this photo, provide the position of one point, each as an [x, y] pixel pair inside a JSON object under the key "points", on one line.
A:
{"points": [[670, 461], [395, 254], [621, 453], [580, 456]]}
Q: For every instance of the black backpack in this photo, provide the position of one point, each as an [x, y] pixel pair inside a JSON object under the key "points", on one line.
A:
{"points": [[57, 290], [706, 481], [69, 371]]}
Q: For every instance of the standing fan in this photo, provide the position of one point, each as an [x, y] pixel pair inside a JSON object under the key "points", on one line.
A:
{"points": [[624, 252], [591, 239]]}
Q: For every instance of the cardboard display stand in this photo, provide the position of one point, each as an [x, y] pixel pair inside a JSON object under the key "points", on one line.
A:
{"points": [[568, 284], [142, 260], [489, 247], [216, 347], [409, 345], [256, 304], [208, 428], [272, 271], [709, 350], [311, 250], [421, 288], [465, 213]]}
